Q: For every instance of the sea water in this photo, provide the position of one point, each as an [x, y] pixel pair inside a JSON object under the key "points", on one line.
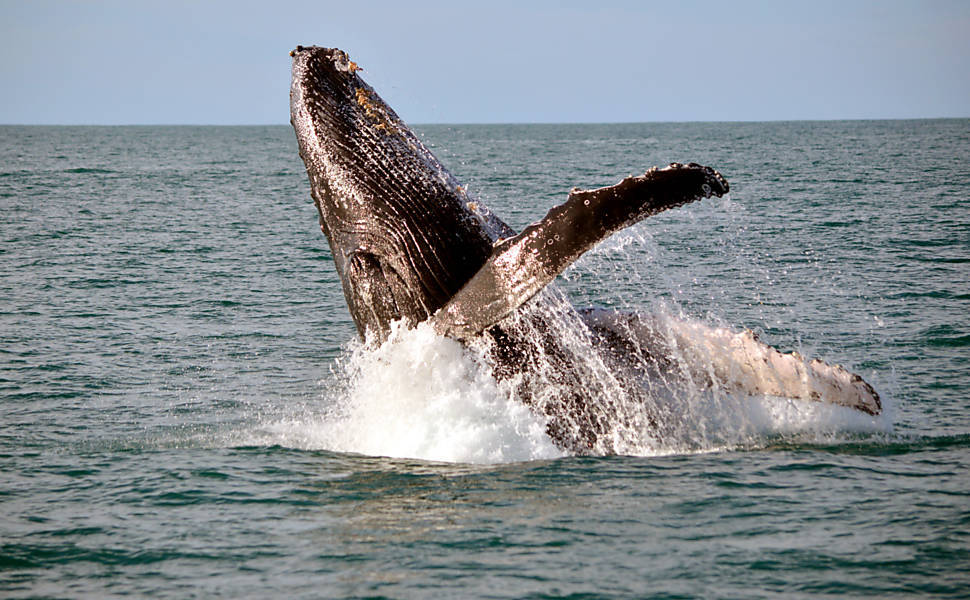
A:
{"points": [[186, 410]]}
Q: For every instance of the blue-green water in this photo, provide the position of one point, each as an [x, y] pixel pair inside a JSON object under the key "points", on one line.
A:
{"points": [[184, 412]]}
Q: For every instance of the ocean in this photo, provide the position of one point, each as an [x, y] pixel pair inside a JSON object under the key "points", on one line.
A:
{"points": [[186, 411]]}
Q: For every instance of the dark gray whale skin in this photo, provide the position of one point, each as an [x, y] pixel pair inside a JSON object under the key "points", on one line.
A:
{"points": [[403, 240], [408, 242], [410, 245]]}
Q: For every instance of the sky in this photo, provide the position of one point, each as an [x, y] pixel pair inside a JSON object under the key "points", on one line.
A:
{"points": [[593, 61]]}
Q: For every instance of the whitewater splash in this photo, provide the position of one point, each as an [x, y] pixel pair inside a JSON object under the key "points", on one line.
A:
{"points": [[423, 396], [419, 395]]}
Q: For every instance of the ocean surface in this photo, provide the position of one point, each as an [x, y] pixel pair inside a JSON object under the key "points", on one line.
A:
{"points": [[185, 410]]}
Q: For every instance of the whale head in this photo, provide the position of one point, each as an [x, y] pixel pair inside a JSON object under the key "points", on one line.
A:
{"points": [[403, 236]]}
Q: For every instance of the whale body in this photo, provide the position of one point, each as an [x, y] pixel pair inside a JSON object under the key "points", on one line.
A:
{"points": [[410, 245]]}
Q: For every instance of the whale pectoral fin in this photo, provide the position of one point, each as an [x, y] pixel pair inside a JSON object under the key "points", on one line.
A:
{"points": [[737, 362], [521, 266], [740, 362]]}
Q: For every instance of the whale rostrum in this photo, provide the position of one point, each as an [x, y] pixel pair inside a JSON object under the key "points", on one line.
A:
{"points": [[410, 245]]}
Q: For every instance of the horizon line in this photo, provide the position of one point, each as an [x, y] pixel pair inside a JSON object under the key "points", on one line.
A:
{"points": [[499, 123]]}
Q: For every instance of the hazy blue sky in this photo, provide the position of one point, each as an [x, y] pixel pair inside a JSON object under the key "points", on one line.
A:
{"points": [[227, 62]]}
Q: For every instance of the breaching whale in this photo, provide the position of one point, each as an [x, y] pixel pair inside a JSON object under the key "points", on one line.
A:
{"points": [[410, 245]]}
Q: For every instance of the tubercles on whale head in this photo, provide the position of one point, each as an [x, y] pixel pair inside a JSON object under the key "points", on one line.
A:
{"points": [[341, 59]]}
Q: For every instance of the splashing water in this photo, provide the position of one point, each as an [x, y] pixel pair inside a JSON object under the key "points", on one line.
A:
{"points": [[669, 388], [423, 396], [420, 395]]}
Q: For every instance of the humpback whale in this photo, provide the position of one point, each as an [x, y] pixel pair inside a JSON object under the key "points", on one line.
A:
{"points": [[410, 245]]}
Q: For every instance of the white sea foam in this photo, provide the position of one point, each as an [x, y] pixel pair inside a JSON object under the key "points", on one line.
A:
{"points": [[420, 395]]}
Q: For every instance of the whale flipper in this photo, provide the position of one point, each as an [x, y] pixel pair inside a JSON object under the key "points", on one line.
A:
{"points": [[522, 265], [734, 361]]}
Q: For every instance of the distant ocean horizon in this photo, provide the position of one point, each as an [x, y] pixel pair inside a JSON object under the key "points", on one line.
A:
{"points": [[186, 410], [491, 123]]}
